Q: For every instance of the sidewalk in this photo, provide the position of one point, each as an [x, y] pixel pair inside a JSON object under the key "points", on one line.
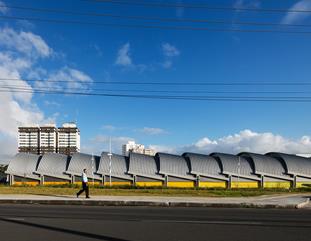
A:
{"points": [[271, 201]]}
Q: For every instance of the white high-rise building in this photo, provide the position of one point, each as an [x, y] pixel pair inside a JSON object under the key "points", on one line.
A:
{"points": [[29, 139], [68, 139], [48, 139], [131, 146]]}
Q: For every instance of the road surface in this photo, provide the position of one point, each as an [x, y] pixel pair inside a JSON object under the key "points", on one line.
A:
{"points": [[51, 223]]}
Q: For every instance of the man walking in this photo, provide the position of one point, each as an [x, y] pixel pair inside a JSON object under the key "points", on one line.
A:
{"points": [[85, 186]]}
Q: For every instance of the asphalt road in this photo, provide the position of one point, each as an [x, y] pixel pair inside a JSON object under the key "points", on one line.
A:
{"points": [[47, 223]]}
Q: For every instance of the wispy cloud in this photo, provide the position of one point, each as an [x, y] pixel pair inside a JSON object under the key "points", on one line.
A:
{"points": [[170, 50], [123, 56], [297, 17], [110, 128], [3, 8], [153, 131]]}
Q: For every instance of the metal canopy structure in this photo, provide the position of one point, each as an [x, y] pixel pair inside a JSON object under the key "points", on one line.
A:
{"points": [[119, 166], [296, 165], [80, 161], [236, 166], [144, 166], [206, 166], [54, 165], [267, 166], [173, 165], [24, 165]]}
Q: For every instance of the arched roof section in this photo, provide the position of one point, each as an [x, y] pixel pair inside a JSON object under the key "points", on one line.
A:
{"points": [[204, 165], [80, 161], [173, 165], [144, 165], [296, 165], [267, 165], [236, 165], [24, 165], [119, 166], [54, 165]]}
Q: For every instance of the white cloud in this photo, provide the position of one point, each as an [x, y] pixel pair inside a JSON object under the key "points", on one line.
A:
{"points": [[152, 131], [170, 50], [73, 80], [109, 127], [247, 4], [24, 42], [123, 56], [297, 17], [245, 140], [3, 8]]}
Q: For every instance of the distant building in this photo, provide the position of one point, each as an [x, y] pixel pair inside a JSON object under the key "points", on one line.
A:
{"points": [[48, 138], [131, 146], [29, 139], [68, 139]]}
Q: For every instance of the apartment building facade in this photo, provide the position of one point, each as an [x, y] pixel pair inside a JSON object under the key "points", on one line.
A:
{"points": [[48, 138]]}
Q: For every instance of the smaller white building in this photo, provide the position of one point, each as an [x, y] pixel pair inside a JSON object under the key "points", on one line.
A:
{"points": [[131, 146]]}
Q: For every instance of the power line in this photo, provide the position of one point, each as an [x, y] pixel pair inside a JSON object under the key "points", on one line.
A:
{"points": [[169, 91], [190, 20], [198, 98], [185, 28], [166, 83], [173, 97], [198, 6]]}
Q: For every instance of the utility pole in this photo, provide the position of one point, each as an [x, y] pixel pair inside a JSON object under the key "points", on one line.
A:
{"points": [[93, 168], [110, 156], [239, 170]]}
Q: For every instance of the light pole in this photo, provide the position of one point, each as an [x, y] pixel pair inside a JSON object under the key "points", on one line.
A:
{"points": [[239, 170], [110, 155]]}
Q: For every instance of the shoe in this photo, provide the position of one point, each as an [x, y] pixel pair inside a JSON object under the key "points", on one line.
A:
{"points": [[87, 197]]}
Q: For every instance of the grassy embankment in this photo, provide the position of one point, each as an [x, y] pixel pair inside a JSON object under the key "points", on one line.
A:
{"points": [[132, 191]]}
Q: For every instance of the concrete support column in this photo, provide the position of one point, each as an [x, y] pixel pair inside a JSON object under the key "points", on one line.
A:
{"points": [[104, 179], [73, 179], [229, 183], [294, 182], [262, 182], [11, 179], [42, 180], [166, 181], [198, 181], [134, 180]]}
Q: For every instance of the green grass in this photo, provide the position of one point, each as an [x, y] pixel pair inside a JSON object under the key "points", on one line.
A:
{"points": [[135, 191]]}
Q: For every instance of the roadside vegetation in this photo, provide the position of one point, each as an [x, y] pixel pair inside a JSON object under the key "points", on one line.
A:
{"points": [[149, 191]]}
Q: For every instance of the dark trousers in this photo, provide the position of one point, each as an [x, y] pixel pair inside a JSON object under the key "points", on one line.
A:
{"points": [[85, 188]]}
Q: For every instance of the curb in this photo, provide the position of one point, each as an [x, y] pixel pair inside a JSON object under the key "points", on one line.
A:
{"points": [[154, 204]]}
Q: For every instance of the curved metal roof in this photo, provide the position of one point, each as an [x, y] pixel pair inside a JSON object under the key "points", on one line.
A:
{"points": [[267, 165], [173, 165], [296, 165], [119, 166], [230, 164], [205, 165], [24, 165], [54, 165], [80, 161], [144, 165]]}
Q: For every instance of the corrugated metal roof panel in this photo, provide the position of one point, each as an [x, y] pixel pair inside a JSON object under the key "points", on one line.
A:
{"points": [[237, 166], [119, 166], [24, 165], [205, 165], [296, 165], [173, 165], [144, 165], [54, 165]]}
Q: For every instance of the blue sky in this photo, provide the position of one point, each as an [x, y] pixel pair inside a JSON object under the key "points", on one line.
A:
{"points": [[87, 53]]}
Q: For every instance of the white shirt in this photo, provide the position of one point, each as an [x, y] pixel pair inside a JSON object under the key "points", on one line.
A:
{"points": [[84, 177]]}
